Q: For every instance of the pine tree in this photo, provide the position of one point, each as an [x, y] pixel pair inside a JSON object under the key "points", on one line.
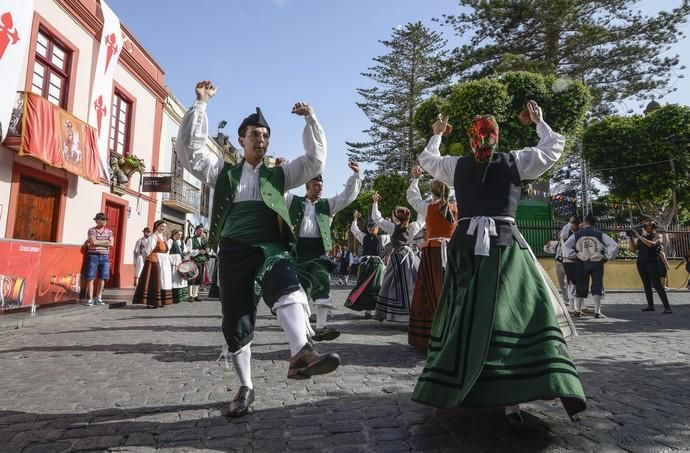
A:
{"points": [[404, 76], [617, 51]]}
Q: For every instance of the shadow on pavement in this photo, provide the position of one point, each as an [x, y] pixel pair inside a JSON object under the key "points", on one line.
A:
{"points": [[390, 423]]}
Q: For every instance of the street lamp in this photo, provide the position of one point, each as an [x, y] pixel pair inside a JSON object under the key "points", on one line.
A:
{"points": [[220, 137]]}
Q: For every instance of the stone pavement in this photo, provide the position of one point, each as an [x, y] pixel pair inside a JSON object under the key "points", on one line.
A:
{"points": [[147, 380]]}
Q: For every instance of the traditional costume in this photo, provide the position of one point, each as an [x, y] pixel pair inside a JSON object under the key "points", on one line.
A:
{"points": [[251, 226], [591, 248], [397, 285], [440, 217], [498, 334], [311, 221], [199, 254], [139, 248], [155, 283], [178, 252], [370, 268]]}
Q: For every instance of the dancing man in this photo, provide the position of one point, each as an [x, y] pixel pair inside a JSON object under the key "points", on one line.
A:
{"points": [[251, 226], [440, 217], [393, 303], [311, 218], [495, 339], [199, 254]]}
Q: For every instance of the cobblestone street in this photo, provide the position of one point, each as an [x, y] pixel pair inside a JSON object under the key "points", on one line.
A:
{"points": [[141, 380]]}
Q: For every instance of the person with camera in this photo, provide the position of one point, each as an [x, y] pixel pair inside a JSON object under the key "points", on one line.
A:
{"points": [[648, 246], [591, 249]]}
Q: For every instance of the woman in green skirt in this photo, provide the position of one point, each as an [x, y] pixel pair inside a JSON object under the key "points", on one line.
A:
{"points": [[498, 336]]}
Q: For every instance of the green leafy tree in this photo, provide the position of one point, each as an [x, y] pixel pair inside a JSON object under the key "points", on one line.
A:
{"points": [[615, 49], [645, 159], [564, 104], [403, 77]]}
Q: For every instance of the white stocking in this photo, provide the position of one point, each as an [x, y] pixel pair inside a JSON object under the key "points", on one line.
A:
{"points": [[578, 304], [292, 311], [242, 362], [597, 304], [321, 316]]}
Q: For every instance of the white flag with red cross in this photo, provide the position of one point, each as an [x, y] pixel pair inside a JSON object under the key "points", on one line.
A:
{"points": [[102, 92], [16, 18]]}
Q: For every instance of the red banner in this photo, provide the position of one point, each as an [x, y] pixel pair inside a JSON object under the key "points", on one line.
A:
{"points": [[59, 139], [38, 272]]}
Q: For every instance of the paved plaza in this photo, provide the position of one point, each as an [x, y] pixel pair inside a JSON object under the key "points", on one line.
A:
{"points": [[144, 380]]}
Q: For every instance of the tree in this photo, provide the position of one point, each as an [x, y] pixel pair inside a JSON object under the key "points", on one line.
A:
{"points": [[392, 188], [645, 159], [616, 51], [504, 97], [404, 76]]}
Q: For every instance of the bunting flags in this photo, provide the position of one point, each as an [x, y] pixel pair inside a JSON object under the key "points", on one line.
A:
{"points": [[15, 35], [101, 96]]}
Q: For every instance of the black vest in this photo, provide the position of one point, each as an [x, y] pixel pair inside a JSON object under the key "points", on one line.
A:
{"points": [[175, 249], [645, 252], [497, 196], [400, 237], [372, 246]]}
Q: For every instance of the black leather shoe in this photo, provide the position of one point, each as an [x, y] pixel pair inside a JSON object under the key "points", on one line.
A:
{"points": [[668, 311], [325, 334], [514, 419], [198, 299], [242, 404], [648, 309], [307, 363]]}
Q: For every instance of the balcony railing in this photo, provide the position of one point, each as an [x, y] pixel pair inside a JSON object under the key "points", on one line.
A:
{"points": [[183, 197]]}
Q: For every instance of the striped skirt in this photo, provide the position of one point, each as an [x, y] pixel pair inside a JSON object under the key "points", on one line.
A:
{"points": [[427, 291], [369, 274], [495, 339], [393, 303]]}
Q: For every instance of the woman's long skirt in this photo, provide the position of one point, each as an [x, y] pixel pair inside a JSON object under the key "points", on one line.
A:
{"points": [[149, 290], [427, 291], [495, 339], [365, 293], [394, 299]]}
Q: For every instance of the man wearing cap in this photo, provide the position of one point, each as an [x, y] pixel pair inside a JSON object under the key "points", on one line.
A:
{"points": [[311, 218], [199, 254], [98, 244], [139, 255], [251, 226]]}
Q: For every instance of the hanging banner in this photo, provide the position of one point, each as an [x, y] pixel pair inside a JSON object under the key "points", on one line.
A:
{"points": [[15, 35], [101, 96], [58, 138]]}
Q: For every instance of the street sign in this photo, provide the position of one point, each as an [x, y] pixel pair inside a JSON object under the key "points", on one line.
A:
{"points": [[157, 184]]}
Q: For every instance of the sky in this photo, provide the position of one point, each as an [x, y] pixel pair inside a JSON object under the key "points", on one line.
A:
{"points": [[273, 53]]}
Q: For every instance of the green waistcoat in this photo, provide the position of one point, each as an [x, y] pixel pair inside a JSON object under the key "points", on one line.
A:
{"points": [[323, 218], [271, 187]]}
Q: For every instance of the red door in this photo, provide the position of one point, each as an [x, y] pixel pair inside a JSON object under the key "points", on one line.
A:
{"points": [[38, 206], [116, 218]]}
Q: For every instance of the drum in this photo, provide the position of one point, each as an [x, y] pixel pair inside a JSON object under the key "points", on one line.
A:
{"points": [[188, 269]]}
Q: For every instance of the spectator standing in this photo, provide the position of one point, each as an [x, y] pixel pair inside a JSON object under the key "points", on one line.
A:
{"points": [[139, 248], [647, 246], [99, 242]]}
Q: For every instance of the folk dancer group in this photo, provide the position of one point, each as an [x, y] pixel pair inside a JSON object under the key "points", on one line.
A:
{"points": [[479, 304]]}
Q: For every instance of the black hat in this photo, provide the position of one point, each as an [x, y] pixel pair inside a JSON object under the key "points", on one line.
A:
{"points": [[100, 216], [147, 229], [255, 119], [318, 178], [371, 224], [589, 218], [199, 227]]}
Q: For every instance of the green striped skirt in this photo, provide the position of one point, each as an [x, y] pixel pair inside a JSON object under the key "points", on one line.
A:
{"points": [[366, 292], [495, 339]]}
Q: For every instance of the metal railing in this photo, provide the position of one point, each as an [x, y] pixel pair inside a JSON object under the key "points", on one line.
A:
{"points": [[184, 193], [676, 239]]}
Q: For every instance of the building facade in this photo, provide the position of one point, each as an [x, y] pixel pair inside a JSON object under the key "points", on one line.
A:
{"points": [[49, 204]]}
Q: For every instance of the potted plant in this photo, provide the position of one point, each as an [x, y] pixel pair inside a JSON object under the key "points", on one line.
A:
{"points": [[131, 164]]}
